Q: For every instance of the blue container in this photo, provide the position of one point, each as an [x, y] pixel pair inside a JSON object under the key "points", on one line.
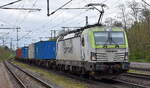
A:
{"points": [[45, 50], [24, 52]]}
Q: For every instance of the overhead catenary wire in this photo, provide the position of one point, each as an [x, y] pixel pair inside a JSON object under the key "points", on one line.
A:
{"points": [[24, 18], [59, 14], [51, 18], [25, 35], [10, 3], [65, 22], [62, 23], [11, 14], [68, 7], [59, 8], [33, 9], [26, 15], [19, 15], [21, 8], [74, 16], [76, 8], [57, 19], [146, 2]]}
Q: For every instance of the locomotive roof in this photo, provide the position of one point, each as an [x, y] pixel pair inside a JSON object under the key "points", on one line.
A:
{"points": [[95, 27], [81, 29], [45, 41], [105, 28]]}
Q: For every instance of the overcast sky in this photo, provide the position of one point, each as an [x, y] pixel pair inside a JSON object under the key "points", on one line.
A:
{"points": [[39, 24]]}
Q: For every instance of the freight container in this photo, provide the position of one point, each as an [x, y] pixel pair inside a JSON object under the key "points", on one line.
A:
{"points": [[31, 51], [25, 52], [19, 53], [45, 50]]}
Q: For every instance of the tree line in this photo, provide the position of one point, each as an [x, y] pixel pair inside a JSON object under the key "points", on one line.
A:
{"points": [[135, 18]]}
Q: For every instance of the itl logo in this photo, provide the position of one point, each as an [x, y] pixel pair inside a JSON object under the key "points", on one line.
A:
{"points": [[68, 50]]}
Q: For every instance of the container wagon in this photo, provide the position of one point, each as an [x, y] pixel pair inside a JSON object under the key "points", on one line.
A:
{"points": [[24, 53], [45, 53], [42, 53], [18, 53], [45, 50], [31, 51]]}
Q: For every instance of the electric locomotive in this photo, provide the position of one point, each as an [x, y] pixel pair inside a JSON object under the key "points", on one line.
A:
{"points": [[95, 50]]}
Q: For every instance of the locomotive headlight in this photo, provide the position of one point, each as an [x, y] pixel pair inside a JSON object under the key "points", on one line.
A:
{"points": [[93, 56]]}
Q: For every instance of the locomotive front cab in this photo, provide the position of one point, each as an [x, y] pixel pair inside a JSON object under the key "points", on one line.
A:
{"points": [[107, 49]]}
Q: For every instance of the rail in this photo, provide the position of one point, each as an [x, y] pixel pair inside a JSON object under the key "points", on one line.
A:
{"points": [[45, 84]]}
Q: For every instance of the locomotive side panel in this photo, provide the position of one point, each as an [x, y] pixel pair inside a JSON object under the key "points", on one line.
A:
{"points": [[69, 49]]}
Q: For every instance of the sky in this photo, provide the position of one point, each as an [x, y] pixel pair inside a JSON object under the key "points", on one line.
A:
{"points": [[35, 24]]}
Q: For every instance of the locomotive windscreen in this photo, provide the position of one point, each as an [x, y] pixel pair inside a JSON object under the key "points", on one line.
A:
{"points": [[109, 38], [117, 37], [100, 37]]}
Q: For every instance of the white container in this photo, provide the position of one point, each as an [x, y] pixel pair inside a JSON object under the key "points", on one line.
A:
{"points": [[31, 51]]}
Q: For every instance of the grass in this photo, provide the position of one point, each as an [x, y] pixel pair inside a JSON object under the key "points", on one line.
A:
{"points": [[5, 53], [140, 60], [138, 72], [62, 81]]}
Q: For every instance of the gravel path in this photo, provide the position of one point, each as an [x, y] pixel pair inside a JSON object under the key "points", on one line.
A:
{"points": [[4, 78], [140, 65], [141, 68]]}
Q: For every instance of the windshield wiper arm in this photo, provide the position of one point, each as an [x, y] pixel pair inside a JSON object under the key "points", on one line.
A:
{"points": [[105, 44], [116, 45]]}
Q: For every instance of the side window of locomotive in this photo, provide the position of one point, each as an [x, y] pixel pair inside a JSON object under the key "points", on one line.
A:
{"points": [[82, 41]]}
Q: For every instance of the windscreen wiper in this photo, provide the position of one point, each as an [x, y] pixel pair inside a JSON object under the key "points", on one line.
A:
{"points": [[107, 41], [105, 44], [116, 45]]}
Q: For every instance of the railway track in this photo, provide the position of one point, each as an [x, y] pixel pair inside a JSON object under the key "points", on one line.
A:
{"points": [[137, 80], [116, 83], [25, 79], [142, 76], [20, 84], [119, 83], [91, 83], [106, 83], [109, 83], [130, 84]]}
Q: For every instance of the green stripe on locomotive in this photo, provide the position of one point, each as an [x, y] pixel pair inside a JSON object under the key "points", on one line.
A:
{"points": [[91, 31]]}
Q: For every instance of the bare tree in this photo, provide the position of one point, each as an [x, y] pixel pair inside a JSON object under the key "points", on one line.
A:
{"points": [[113, 22], [109, 21], [117, 23], [134, 6], [145, 12], [123, 15]]}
